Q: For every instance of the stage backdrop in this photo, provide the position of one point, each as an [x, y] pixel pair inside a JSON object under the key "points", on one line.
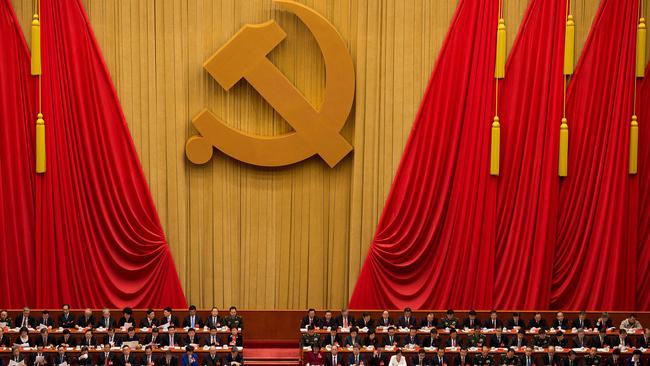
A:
{"points": [[272, 238]]}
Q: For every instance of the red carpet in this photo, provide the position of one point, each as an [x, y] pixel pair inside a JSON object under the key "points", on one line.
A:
{"points": [[263, 353]]}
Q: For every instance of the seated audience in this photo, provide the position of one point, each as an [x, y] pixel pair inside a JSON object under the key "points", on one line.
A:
{"points": [[551, 359], [126, 358], [39, 358], [106, 321], [519, 340], [592, 359], [213, 338], [463, 359], [454, 340], [429, 321], [23, 339], [213, 320], [148, 359], [365, 321], [537, 322], [515, 322], [571, 360], [61, 357], [371, 339], [191, 339], [111, 338], [356, 358], [153, 339], [604, 321], [582, 322], [601, 340], [484, 358], [84, 358], [439, 359], [385, 320], [397, 359], [378, 358], [25, 319], [644, 340], [44, 338], [622, 340], [45, 320], [315, 357], [332, 339], [345, 320], [168, 318], [541, 340], [334, 359], [471, 321], [87, 320], [510, 359], [189, 358], [391, 339], [171, 339], [615, 359], [150, 320], [212, 359], [66, 319], [353, 338], [233, 320], [433, 340], [560, 322], [630, 323], [234, 358], [412, 340], [127, 319], [4, 339], [581, 340], [407, 320], [420, 359], [527, 359], [449, 320], [5, 320], [498, 340], [328, 321], [106, 357], [494, 322], [235, 339], [131, 337], [168, 359], [310, 319], [636, 358], [88, 340], [559, 340]]}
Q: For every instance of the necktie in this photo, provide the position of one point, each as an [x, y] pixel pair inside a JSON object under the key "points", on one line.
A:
{"points": [[106, 322], [494, 323], [334, 360], [345, 322], [213, 340], [356, 360], [528, 361], [24, 321], [192, 322], [453, 342]]}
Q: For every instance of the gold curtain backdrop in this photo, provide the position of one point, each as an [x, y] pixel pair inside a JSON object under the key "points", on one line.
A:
{"points": [[283, 238]]}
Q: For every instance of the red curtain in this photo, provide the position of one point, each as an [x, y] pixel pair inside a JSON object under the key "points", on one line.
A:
{"points": [[643, 272], [531, 109], [448, 238], [99, 241], [595, 260], [433, 247], [17, 118]]}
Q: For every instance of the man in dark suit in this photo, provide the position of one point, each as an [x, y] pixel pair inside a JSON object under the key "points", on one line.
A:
{"points": [[148, 359], [527, 359], [126, 358], [551, 359], [582, 321], [463, 359], [433, 340], [45, 320], [213, 320], [454, 340], [88, 339], [191, 338], [168, 359], [67, 340], [44, 339], [420, 359], [636, 358], [131, 336], [581, 340], [604, 321], [39, 358], [622, 340], [365, 321], [559, 340], [106, 357], [391, 339], [494, 322], [169, 318], [66, 319], [171, 339], [87, 320], [560, 322], [385, 320], [345, 320], [234, 358], [407, 320], [439, 359], [24, 319], [356, 358], [61, 357], [515, 321], [106, 321], [471, 321], [498, 340], [212, 358], [378, 358], [519, 340], [192, 320], [601, 340], [510, 359], [213, 338], [127, 318], [644, 340], [332, 339], [412, 339], [328, 321], [153, 339], [429, 321], [334, 358], [310, 319], [537, 322], [571, 360], [111, 338], [150, 320], [615, 359]]}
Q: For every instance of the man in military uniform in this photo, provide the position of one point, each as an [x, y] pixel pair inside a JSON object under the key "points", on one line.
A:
{"points": [[592, 359], [510, 359], [475, 338], [311, 338], [449, 321], [541, 340], [485, 358], [233, 320]]}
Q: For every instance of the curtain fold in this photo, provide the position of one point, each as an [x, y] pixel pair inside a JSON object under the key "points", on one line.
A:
{"points": [[99, 241], [643, 247], [437, 226], [530, 97], [594, 263], [17, 121]]}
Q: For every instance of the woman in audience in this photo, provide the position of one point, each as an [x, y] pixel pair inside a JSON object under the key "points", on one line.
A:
{"points": [[397, 359], [23, 338], [190, 358], [315, 357]]}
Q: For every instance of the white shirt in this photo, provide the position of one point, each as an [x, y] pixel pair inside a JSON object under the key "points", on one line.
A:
{"points": [[394, 362]]}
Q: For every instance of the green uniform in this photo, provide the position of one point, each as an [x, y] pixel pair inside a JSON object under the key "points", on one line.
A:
{"points": [[476, 340], [510, 361], [592, 360], [233, 321], [448, 323], [541, 342], [481, 360], [310, 340]]}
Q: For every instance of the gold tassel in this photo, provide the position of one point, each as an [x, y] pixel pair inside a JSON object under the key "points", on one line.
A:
{"points": [[640, 48], [495, 146], [569, 45], [40, 144], [500, 66], [564, 148], [634, 145], [36, 45]]}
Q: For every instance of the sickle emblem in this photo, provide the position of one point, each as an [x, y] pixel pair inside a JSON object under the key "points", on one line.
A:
{"points": [[316, 131]]}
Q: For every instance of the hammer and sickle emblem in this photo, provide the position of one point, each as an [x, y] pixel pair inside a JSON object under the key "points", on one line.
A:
{"points": [[316, 131]]}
